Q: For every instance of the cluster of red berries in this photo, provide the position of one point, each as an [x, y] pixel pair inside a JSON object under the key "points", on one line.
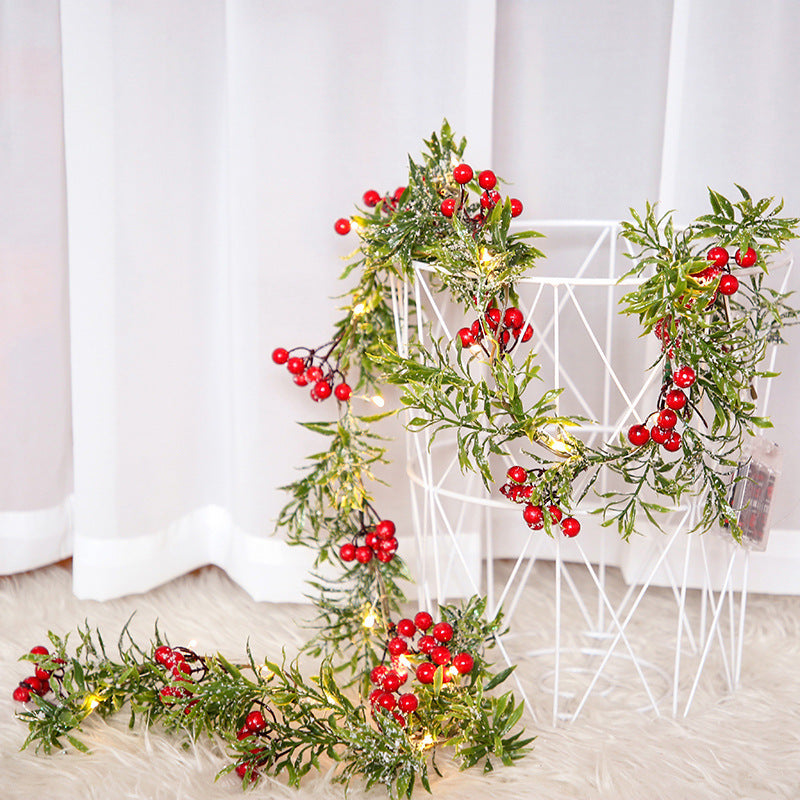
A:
{"points": [[719, 257], [388, 680], [520, 490], [386, 204], [255, 724], [728, 284], [39, 682], [379, 542], [183, 666], [320, 376], [505, 327], [487, 181], [672, 400]]}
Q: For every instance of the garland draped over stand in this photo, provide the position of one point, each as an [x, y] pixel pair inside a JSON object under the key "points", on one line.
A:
{"points": [[389, 690]]}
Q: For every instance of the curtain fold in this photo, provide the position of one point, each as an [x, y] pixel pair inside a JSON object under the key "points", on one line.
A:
{"points": [[35, 433]]}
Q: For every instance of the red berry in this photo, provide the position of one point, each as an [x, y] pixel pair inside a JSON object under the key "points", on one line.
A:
{"points": [[667, 418], [363, 555], [391, 682], [425, 672], [675, 399], [728, 285], [406, 627], [301, 380], [464, 663], [659, 435], [255, 722], [467, 339], [280, 355], [295, 365], [684, 377], [673, 443], [347, 552], [528, 334], [443, 632], [570, 526], [243, 733], [493, 317], [476, 330], [313, 374], [371, 198], [241, 770], [343, 392], [408, 702], [517, 474], [748, 259], [399, 719], [440, 656], [387, 701], [21, 694], [387, 545], [342, 226], [423, 620], [371, 540], [448, 206], [516, 207], [374, 695], [385, 529], [463, 173], [378, 674], [167, 692], [426, 644], [513, 318], [397, 646], [398, 193], [638, 435], [533, 516], [490, 199], [718, 256], [42, 674], [164, 656], [487, 179], [322, 389], [39, 650], [555, 514], [181, 668], [705, 277]]}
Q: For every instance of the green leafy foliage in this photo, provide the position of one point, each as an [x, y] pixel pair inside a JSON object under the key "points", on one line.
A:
{"points": [[723, 339], [308, 723]]}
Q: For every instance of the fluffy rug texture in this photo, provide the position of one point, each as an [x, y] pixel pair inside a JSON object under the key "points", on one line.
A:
{"points": [[732, 746]]}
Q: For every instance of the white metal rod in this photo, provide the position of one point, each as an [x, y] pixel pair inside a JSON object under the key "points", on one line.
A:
{"points": [[708, 644], [557, 664], [742, 609], [679, 641]]}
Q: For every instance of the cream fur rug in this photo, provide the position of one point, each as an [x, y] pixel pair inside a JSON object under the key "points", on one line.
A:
{"points": [[732, 747]]}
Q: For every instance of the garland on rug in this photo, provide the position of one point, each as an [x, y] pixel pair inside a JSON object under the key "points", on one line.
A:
{"points": [[390, 691]]}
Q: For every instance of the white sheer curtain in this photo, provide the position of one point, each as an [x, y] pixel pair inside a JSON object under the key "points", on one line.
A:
{"points": [[209, 147]]}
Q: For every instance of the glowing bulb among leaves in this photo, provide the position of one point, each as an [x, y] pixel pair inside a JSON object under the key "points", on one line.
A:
{"points": [[359, 309], [378, 400], [92, 701], [370, 619]]}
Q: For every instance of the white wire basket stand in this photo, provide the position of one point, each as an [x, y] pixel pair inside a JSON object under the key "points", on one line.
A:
{"points": [[471, 541]]}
